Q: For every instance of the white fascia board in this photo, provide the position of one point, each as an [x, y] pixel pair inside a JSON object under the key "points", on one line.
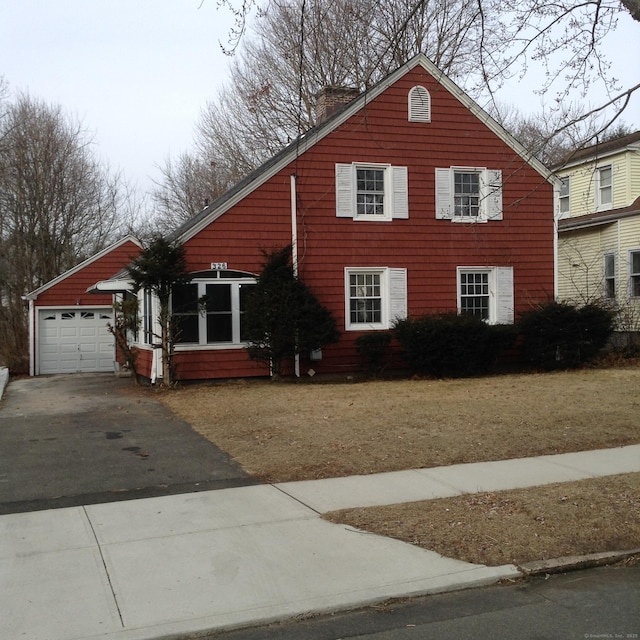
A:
{"points": [[34, 294], [308, 140]]}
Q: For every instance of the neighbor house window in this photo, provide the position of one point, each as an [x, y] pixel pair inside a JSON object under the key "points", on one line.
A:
{"points": [[371, 192], [604, 187], [609, 276], [468, 194], [210, 309], [634, 273], [374, 297], [486, 293], [564, 196]]}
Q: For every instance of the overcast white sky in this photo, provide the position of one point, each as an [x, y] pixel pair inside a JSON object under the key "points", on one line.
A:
{"points": [[138, 72]]}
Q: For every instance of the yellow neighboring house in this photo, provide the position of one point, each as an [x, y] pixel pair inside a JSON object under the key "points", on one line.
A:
{"points": [[599, 228]]}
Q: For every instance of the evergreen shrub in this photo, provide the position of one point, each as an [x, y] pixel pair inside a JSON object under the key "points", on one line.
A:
{"points": [[558, 335]]}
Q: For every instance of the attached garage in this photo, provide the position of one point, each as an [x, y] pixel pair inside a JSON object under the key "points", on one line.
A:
{"points": [[75, 340], [68, 330]]}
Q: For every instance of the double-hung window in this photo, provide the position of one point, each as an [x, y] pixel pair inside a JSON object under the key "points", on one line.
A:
{"points": [[634, 273], [374, 297], [371, 191], [210, 309], [604, 187], [564, 196], [609, 276], [487, 293], [468, 194]]}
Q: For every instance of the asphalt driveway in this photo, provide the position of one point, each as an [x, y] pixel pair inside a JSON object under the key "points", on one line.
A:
{"points": [[79, 439]]}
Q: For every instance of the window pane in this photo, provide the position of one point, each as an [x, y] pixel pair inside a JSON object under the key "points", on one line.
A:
{"points": [[219, 327], [245, 291], [218, 297], [370, 191], [466, 194], [186, 328], [365, 302], [184, 298], [474, 294]]}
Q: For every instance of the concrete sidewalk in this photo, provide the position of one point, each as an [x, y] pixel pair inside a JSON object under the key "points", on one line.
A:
{"points": [[190, 563]]}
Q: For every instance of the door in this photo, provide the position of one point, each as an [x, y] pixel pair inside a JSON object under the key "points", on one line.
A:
{"points": [[75, 340]]}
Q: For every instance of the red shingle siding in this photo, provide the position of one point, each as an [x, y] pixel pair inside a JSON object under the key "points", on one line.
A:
{"points": [[73, 289], [428, 248]]}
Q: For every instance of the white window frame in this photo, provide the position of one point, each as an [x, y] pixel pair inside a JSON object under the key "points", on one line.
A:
{"points": [[396, 197], [393, 297], [419, 104], [600, 205], [609, 276], [236, 342], [490, 194], [634, 276], [501, 294], [564, 196]]}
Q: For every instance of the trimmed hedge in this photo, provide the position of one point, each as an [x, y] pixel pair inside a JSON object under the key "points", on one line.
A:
{"points": [[451, 345]]}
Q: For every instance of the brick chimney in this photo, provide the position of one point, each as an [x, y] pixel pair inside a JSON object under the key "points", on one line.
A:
{"points": [[330, 100]]}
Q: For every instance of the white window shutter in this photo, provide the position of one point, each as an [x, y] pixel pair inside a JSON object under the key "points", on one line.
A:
{"points": [[444, 197], [419, 105], [492, 193], [400, 188], [397, 294], [344, 191], [504, 295]]}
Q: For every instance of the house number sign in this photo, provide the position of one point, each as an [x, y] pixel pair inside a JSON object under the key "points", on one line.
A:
{"points": [[218, 266]]}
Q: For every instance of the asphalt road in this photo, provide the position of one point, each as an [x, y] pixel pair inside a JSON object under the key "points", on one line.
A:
{"points": [[70, 440], [594, 603]]}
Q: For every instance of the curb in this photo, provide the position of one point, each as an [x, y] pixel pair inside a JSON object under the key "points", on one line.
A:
{"points": [[4, 378], [573, 563]]}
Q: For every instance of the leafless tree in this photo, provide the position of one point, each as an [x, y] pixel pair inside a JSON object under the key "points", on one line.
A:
{"points": [[58, 205], [188, 185]]}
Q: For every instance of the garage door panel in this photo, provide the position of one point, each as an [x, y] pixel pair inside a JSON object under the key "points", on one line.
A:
{"points": [[71, 341]]}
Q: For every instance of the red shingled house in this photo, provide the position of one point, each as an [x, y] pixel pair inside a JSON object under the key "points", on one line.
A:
{"points": [[409, 200]]}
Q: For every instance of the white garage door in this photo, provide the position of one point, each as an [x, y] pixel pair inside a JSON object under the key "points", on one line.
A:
{"points": [[75, 341]]}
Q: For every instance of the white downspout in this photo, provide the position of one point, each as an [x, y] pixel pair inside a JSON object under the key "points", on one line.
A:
{"points": [[556, 216], [294, 250]]}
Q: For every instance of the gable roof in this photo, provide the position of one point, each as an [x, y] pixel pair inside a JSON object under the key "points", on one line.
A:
{"points": [[97, 256], [317, 133], [599, 150]]}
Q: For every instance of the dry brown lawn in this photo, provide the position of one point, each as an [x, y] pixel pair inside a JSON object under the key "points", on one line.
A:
{"points": [[298, 431], [288, 431], [515, 527]]}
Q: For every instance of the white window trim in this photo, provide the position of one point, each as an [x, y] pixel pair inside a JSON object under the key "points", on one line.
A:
{"points": [[501, 293], [490, 194], [393, 294], [396, 197], [419, 104], [599, 206]]}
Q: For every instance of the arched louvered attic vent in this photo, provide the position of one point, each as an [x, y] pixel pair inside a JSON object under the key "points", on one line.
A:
{"points": [[419, 105]]}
